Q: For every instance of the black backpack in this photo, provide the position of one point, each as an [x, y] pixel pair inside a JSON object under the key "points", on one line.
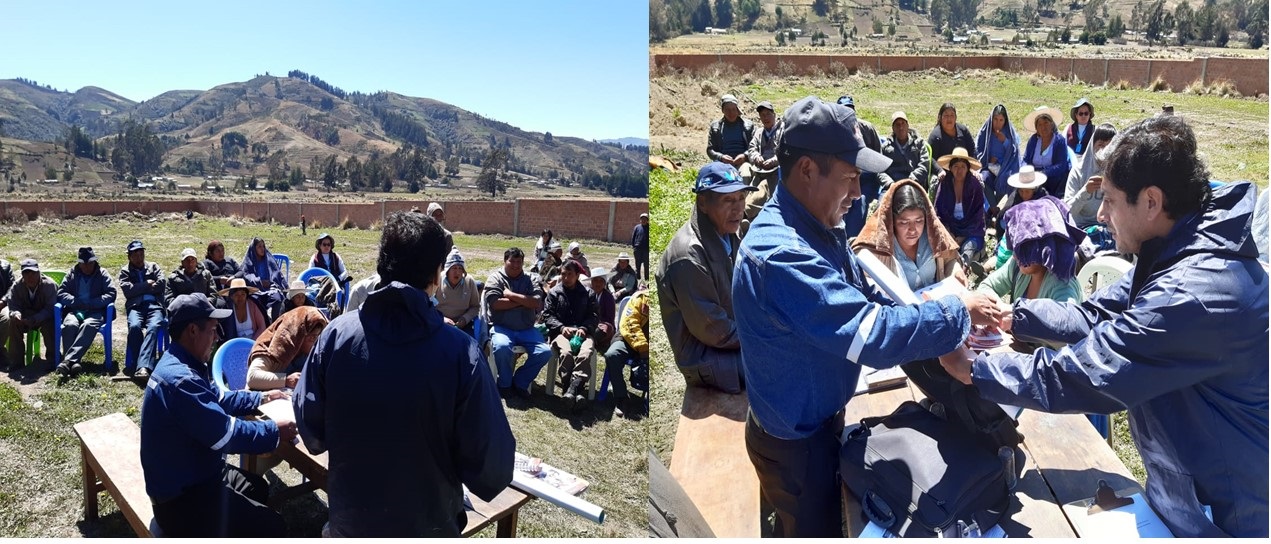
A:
{"points": [[944, 467]]}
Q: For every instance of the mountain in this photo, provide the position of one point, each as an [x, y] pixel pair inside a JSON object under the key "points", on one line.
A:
{"points": [[640, 142], [301, 119]]}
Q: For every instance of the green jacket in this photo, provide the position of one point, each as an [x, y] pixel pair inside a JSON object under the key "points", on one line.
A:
{"points": [[1007, 280]]}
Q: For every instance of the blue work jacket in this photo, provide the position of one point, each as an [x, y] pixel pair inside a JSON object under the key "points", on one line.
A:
{"points": [[808, 320], [1181, 343]]}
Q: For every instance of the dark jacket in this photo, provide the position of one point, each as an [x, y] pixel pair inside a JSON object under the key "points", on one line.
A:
{"points": [[1181, 343], [188, 426], [695, 281], [640, 237], [101, 291], [41, 308], [1060, 163], [942, 144], [397, 459], [972, 223], [570, 308], [273, 269], [627, 277], [227, 268], [911, 159], [6, 276], [715, 148], [180, 284], [134, 282]]}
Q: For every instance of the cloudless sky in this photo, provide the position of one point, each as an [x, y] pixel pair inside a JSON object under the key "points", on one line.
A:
{"points": [[572, 67]]}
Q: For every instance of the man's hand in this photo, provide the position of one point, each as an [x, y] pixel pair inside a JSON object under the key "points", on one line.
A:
{"points": [[291, 380], [769, 163], [1094, 184], [277, 393], [958, 364], [286, 431], [983, 307], [16, 315], [449, 321]]}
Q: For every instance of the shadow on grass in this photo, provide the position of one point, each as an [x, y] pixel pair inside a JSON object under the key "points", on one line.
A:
{"points": [[112, 525], [581, 414]]}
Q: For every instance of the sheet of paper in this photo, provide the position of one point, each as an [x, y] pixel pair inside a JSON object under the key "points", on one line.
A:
{"points": [[1136, 520], [887, 281]]}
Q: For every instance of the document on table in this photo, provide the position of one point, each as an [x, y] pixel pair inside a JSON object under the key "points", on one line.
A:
{"points": [[279, 410], [1136, 520]]}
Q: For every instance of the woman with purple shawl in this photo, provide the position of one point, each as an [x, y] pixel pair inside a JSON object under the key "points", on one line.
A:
{"points": [[1044, 239]]}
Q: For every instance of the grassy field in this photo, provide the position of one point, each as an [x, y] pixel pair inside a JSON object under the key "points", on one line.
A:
{"points": [[40, 473]]}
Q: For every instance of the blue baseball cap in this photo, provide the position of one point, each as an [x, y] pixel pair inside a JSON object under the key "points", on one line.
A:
{"points": [[847, 101], [135, 245], [818, 127], [720, 177]]}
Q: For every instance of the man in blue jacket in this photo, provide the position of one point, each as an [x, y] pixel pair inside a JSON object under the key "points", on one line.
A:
{"points": [[84, 294], [1180, 341], [398, 456], [810, 319], [188, 426]]}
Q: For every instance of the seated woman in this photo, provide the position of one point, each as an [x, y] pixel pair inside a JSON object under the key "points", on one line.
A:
{"points": [[327, 259], [248, 321], [906, 237], [1044, 240], [265, 274], [960, 203], [457, 297], [623, 281], [542, 248], [221, 267], [1046, 150], [1025, 185], [280, 353], [298, 295], [998, 150]]}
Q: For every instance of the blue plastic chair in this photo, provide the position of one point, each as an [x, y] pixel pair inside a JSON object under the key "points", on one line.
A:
{"points": [[617, 319], [284, 261], [105, 332], [341, 298], [229, 365]]}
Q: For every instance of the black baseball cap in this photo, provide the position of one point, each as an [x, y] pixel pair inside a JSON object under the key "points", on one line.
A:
{"points": [[815, 126], [191, 307]]}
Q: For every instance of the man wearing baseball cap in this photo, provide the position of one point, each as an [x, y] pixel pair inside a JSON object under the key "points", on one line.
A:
{"points": [[189, 278], [30, 306], [143, 285], [188, 426], [761, 159], [910, 155], [808, 306], [730, 135], [85, 293], [695, 277]]}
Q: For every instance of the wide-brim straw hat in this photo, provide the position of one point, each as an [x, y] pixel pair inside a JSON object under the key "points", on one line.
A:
{"points": [[237, 283], [297, 287], [1030, 122], [1027, 178], [958, 153]]}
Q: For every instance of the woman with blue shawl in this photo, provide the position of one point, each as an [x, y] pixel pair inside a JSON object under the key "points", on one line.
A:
{"points": [[997, 148], [264, 273]]}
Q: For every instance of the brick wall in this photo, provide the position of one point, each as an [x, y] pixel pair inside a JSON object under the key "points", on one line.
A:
{"points": [[1248, 75], [598, 219]]}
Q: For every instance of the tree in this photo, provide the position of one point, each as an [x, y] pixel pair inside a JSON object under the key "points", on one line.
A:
{"points": [[1116, 27], [1184, 23], [547, 138], [489, 179], [821, 7], [891, 28], [232, 144], [658, 31], [1157, 21], [1095, 22], [878, 26], [781, 37], [702, 17], [748, 11], [354, 169], [724, 13]]}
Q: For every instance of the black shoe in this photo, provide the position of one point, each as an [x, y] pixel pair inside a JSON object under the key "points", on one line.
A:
{"points": [[575, 389], [64, 369], [523, 394], [77, 368], [142, 375]]}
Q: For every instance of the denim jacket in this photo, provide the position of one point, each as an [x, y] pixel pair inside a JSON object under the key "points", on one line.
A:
{"points": [[812, 320]]}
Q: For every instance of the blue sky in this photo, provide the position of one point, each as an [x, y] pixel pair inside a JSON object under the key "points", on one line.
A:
{"points": [[574, 68]]}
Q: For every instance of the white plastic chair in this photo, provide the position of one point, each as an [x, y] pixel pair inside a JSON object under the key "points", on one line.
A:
{"points": [[1101, 272]]}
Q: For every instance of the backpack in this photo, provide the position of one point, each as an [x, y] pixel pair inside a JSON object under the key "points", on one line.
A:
{"points": [[944, 467]]}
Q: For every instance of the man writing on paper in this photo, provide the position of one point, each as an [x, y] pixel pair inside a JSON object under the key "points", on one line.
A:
{"points": [[1180, 341], [812, 320], [398, 457]]}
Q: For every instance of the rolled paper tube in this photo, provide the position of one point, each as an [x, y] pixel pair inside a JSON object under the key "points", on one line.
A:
{"points": [[545, 491]]}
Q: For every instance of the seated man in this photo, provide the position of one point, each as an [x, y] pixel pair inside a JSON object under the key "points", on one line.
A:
{"points": [[761, 158], [513, 300], [730, 135], [570, 313], [457, 298], [695, 279], [190, 278], [30, 303], [630, 348], [85, 293], [399, 459], [280, 352], [143, 286], [188, 426]]}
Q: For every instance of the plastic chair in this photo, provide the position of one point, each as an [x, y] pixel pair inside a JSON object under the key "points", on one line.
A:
{"points": [[617, 318], [341, 296], [105, 332], [33, 336], [229, 364], [284, 261], [551, 373]]}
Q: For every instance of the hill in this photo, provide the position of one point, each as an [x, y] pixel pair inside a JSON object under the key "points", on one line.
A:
{"points": [[270, 126]]}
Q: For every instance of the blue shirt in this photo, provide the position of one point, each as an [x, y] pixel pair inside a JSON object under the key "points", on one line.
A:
{"points": [[920, 273], [188, 426], [809, 320]]}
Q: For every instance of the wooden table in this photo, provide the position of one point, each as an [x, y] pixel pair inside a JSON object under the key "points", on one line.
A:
{"points": [[503, 510], [1066, 458]]}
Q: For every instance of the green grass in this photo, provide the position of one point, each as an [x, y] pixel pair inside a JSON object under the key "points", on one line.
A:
{"points": [[40, 475]]}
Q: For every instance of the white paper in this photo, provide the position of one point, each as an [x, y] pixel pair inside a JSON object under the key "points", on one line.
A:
{"points": [[890, 284], [1136, 520], [545, 491], [947, 286]]}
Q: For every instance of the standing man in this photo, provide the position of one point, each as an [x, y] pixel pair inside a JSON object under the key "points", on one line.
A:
{"points": [[762, 155], [303, 225], [640, 246], [570, 312], [85, 293], [143, 286], [30, 303], [402, 474], [730, 135], [188, 426], [812, 319], [1180, 341], [695, 277], [513, 299]]}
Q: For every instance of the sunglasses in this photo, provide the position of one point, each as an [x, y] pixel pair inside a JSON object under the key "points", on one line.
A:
{"points": [[1083, 113]]}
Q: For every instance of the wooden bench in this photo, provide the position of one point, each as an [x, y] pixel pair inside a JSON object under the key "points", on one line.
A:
{"points": [[110, 450], [710, 462]]}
